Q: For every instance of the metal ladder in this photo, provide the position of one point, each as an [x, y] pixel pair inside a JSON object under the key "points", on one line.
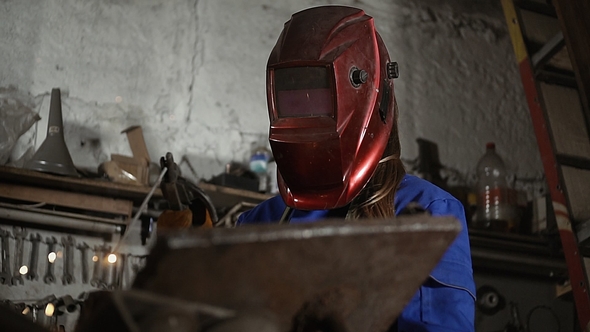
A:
{"points": [[552, 46]]}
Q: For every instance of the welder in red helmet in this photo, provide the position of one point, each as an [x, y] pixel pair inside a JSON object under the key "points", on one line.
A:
{"points": [[334, 136]]}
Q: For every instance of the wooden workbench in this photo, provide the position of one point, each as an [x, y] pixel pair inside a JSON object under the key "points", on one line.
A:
{"points": [[79, 200]]}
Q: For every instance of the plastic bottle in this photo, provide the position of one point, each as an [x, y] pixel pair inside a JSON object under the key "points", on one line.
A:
{"points": [[494, 209], [259, 165]]}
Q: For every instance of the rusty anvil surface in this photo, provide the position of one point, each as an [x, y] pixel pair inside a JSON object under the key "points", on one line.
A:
{"points": [[360, 273]]}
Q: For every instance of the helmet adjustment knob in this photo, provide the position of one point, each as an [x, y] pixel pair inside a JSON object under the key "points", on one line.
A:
{"points": [[358, 76], [392, 70]]}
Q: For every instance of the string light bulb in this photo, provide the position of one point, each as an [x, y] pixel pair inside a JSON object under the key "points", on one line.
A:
{"points": [[112, 258], [49, 309]]}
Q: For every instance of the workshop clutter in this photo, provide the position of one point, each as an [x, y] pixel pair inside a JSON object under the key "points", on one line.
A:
{"points": [[47, 312], [494, 200], [258, 175], [27, 256]]}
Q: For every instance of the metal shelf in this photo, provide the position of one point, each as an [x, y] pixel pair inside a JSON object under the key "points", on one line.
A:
{"points": [[512, 254]]}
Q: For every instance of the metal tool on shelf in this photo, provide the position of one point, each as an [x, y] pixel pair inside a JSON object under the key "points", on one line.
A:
{"points": [[19, 235], [5, 275], [180, 193], [83, 247], [68, 267], [49, 277], [34, 260], [98, 258]]}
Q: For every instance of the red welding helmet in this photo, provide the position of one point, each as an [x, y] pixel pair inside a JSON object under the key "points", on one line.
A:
{"points": [[330, 101]]}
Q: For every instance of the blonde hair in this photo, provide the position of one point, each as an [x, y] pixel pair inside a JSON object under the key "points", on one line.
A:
{"points": [[376, 198]]}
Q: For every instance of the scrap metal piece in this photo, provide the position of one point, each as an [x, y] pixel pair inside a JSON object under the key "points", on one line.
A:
{"points": [[357, 275]]}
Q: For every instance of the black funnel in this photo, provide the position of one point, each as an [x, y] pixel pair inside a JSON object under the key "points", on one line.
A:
{"points": [[53, 155]]}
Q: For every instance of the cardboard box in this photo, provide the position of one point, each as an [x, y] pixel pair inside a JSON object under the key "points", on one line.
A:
{"points": [[138, 167], [138, 164], [137, 142]]}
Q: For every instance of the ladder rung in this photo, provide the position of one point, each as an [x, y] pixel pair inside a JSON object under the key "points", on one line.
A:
{"points": [[537, 7], [556, 77], [566, 122], [572, 161], [583, 233], [537, 28], [576, 185], [552, 47]]}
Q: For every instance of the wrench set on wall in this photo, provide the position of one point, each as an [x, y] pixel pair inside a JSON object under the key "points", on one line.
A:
{"points": [[63, 256]]}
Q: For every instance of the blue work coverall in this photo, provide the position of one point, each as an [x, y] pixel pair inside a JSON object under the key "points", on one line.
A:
{"points": [[446, 300]]}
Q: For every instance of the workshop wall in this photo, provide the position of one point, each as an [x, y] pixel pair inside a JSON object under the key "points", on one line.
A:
{"points": [[192, 74]]}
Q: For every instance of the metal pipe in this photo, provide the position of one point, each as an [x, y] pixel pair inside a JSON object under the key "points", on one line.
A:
{"points": [[58, 221], [521, 260], [59, 214]]}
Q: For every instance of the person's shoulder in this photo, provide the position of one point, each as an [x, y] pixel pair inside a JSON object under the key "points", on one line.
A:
{"points": [[425, 193], [412, 184], [267, 211]]}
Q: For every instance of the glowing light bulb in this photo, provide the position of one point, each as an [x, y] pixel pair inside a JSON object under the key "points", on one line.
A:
{"points": [[26, 310], [112, 258], [49, 309], [23, 269], [95, 258], [51, 257]]}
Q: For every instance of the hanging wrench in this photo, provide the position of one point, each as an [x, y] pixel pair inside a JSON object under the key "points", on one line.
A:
{"points": [[32, 274], [113, 268], [98, 260], [83, 249], [117, 272], [107, 268], [49, 277], [19, 234], [68, 274], [121, 271], [5, 275]]}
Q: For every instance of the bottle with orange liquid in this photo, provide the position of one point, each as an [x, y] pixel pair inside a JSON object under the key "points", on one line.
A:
{"points": [[495, 209]]}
